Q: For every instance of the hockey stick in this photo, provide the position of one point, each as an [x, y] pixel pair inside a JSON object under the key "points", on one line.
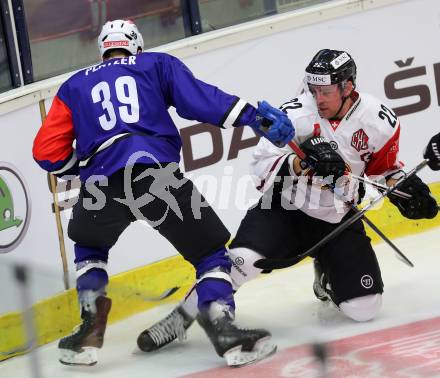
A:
{"points": [[399, 253], [380, 187], [26, 348], [19, 350], [270, 264], [128, 292], [167, 293], [53, 189]]}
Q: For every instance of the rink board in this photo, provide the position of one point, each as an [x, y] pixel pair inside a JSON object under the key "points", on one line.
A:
{"points": [[283, 302], [56, 316], [232, 59]]}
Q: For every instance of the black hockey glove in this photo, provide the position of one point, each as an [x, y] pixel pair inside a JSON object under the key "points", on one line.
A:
{"points": [[420, 205], [321, 157], [432, 152]]}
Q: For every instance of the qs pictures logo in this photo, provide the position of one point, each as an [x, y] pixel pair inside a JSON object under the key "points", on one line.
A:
{"points": [[15, 207]]}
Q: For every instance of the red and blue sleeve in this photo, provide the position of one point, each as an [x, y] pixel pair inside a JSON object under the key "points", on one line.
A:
{"points": [[52, 148]]}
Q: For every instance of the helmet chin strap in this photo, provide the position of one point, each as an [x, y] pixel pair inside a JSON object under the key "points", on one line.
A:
{"points": [[335, 117], [344, 99]]}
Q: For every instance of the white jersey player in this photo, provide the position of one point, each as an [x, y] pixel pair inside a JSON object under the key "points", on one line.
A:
{"points": [[367, 139], [339, 130]]}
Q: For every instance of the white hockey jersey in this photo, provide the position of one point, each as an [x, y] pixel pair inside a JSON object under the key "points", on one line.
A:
{"points": [[367, 138]]}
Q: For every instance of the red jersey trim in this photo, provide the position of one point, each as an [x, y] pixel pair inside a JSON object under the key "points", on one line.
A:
{"points": [[386, 158], [55, 137], [263, 182]]}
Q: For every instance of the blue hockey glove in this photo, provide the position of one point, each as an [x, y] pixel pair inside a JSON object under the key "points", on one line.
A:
{"points": [[273, 124]]}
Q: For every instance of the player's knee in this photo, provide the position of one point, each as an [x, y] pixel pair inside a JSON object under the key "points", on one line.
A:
{"points": [[217, 260], [363, 308], [243, 269]]}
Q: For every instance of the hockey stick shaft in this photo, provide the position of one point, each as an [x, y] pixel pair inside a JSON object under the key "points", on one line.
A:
{"points": [[300, 153], [128, 291], [165, 294], [53, 187], [380, 187], [269, 264], [400, 254], [30, 346]]}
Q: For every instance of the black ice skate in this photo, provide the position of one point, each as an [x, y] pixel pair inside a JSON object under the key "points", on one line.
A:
{"points": [[320, 282], [81, 347], [173, 327], [238, 346]]}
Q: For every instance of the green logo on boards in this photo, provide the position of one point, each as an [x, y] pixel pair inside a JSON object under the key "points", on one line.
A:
{"points": [[15, 210], [7, 218]]}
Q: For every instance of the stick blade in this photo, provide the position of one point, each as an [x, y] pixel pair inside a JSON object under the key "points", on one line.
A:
{"points": [[405, 260], [270, 264], [167, 293]]}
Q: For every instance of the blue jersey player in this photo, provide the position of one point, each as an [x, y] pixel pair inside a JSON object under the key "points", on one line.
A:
{"points": [[128, 149]]}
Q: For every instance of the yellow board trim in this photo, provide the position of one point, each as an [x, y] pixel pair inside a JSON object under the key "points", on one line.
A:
{"points": [[394, 225], [56, 316]]}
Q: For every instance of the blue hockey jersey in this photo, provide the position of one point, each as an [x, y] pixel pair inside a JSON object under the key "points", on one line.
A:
{"points": [[120, 106]]}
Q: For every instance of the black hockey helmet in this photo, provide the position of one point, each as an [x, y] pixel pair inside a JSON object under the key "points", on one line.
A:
{"points": [[331, 67]]}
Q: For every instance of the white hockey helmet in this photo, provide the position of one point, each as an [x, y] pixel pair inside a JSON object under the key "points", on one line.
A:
{"points": [[120, 34]]}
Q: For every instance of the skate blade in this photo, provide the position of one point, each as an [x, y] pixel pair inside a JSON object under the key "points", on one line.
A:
{"points": [[88, 357], [263, 348]]}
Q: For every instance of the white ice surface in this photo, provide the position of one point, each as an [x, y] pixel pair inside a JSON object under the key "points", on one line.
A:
{"points": [[282, 302]]}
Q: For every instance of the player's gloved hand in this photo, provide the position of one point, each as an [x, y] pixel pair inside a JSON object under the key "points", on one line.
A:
{"points": [[322, 158], [72, 168], [273, 124], [421, 205], [432, 152]]}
